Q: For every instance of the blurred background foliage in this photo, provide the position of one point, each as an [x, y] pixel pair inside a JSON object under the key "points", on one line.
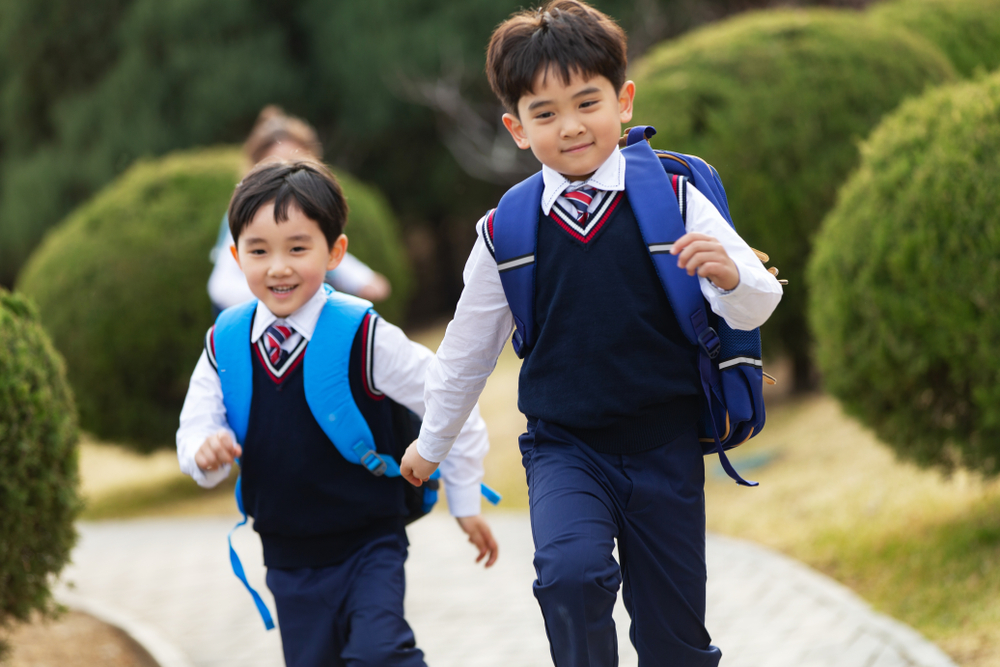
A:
{"points": [[84, 93], [776, 101], [38, 457], [906, 280]]}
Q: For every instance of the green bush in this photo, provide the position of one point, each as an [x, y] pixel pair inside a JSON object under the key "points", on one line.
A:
{"points": [[776, 101], [121, 286], [968, 31], [906, 281], [38, 436]]}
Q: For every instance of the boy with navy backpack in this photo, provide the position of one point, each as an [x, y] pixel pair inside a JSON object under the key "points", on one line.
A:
{"points": [[315, 397], [590, 264]]}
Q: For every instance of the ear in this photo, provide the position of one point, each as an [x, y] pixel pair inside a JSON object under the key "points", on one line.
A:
{"points": [[337, 252], [236, 255], [516, 129], [625, 99]]}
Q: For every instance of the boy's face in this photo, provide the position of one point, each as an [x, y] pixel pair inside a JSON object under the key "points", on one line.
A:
{"points": [[285, 263], [571, 127]]}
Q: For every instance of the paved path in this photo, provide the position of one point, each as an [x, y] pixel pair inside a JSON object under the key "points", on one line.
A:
{"points": [[168, 581]]}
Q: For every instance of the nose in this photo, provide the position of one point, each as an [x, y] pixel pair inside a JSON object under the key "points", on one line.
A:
{"points": [[572, 126], [279, 268]]}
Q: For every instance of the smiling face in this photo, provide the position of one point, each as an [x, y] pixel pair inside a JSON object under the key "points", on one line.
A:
{"points": [[572, 127], [285, 262]]}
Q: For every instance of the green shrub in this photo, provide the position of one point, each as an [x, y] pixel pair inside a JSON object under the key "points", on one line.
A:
{"points": [[38, 436], [968, 31], [906, 281], [121, 286], [776, 101]]}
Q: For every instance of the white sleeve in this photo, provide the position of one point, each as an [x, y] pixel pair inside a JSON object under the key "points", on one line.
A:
{"points": [[399, 367], [203, 414], [227, 286], [752, 301], [467, 355]]}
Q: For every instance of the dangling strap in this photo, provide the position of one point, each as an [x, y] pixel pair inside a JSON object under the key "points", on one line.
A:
{"points": [[234, 560], [705, 366]]}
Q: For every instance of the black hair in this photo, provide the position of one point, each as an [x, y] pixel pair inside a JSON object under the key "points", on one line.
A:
{"points": [[306, 183], [568, 34]]}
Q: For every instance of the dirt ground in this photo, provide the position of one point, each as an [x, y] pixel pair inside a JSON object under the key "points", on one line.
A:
{"points": [[73, 640]]}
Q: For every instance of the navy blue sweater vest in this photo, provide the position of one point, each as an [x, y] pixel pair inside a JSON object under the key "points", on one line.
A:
{"points": [[312, 507], [610, 362]]}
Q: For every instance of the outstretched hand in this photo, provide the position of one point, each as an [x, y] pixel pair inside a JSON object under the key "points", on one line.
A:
{"points": [[481, 537], [414, 468], [704, 255], [217, 450]]}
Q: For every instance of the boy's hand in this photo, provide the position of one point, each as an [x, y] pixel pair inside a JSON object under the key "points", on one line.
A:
{"points": [[704, 255], [414, 468], [216, 451], [481, 537]]}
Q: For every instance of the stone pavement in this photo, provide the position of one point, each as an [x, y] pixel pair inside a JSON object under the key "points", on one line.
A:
{"points": [[168, 583]]}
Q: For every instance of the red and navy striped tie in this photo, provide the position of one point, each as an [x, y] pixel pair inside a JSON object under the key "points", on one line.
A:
{"points": [[274, 336], [580, 200]]}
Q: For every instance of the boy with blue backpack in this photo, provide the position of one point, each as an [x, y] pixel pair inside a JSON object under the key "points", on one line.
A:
{"points": [[602, 265], [316, 398]]}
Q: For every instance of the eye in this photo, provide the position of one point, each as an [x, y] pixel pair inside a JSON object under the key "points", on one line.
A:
{"points": [[258, 252], [544, 115], [588, 103], [299, 248]]}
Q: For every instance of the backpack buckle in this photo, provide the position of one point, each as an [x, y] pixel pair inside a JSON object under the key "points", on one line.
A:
{"points": [[373, 462], [709, 341]]}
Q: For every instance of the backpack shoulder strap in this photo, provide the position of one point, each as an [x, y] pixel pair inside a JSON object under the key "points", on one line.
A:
{"points": [[231, 343], [657, 211], [327, 382], [515, 233]]}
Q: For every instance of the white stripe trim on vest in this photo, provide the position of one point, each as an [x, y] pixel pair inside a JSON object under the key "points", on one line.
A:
{"points": [[740, 361], [369, 355], [523, 260], [292, 356]]}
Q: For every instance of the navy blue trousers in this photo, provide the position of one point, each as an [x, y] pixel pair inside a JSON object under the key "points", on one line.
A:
{"points": [[348, 614], [653, 504]]}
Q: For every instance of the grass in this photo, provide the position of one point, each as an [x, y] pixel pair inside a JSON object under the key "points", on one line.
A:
{"points": [[920, 547]]}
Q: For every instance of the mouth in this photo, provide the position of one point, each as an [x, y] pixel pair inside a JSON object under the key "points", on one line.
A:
{"points": [[578, 148], [282, 290]]}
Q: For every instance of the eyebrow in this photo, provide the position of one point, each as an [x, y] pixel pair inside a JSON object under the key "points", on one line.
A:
{"points": [[586, 91], [299, 237]]}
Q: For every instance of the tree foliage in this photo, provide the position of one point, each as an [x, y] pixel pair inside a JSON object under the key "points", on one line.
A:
{"points": [[968, 31], [906, 278], [777, 101], [38, 436], [84, 94], [121, 286]]}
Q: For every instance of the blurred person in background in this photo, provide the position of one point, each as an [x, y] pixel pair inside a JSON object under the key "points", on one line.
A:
{"points": [[277, 135]]}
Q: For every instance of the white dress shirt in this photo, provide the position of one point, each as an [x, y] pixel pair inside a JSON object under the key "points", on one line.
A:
{"points": [[483, 321], [398, 369]]}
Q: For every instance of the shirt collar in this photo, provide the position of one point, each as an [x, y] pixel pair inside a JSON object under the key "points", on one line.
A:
{"points": [[610, 177], [302, 320]]}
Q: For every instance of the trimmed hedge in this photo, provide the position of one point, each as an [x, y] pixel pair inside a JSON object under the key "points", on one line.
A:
{"points": [[121, 286], [906, 281], [967, 31], [776, 101], [38, 457]]}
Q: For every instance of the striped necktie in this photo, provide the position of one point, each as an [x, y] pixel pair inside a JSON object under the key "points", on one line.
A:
{"points": [[274, 336], [580, 199]]}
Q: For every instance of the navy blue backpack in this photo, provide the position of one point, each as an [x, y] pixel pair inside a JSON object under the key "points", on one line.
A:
{"points": [[729, 361]]}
